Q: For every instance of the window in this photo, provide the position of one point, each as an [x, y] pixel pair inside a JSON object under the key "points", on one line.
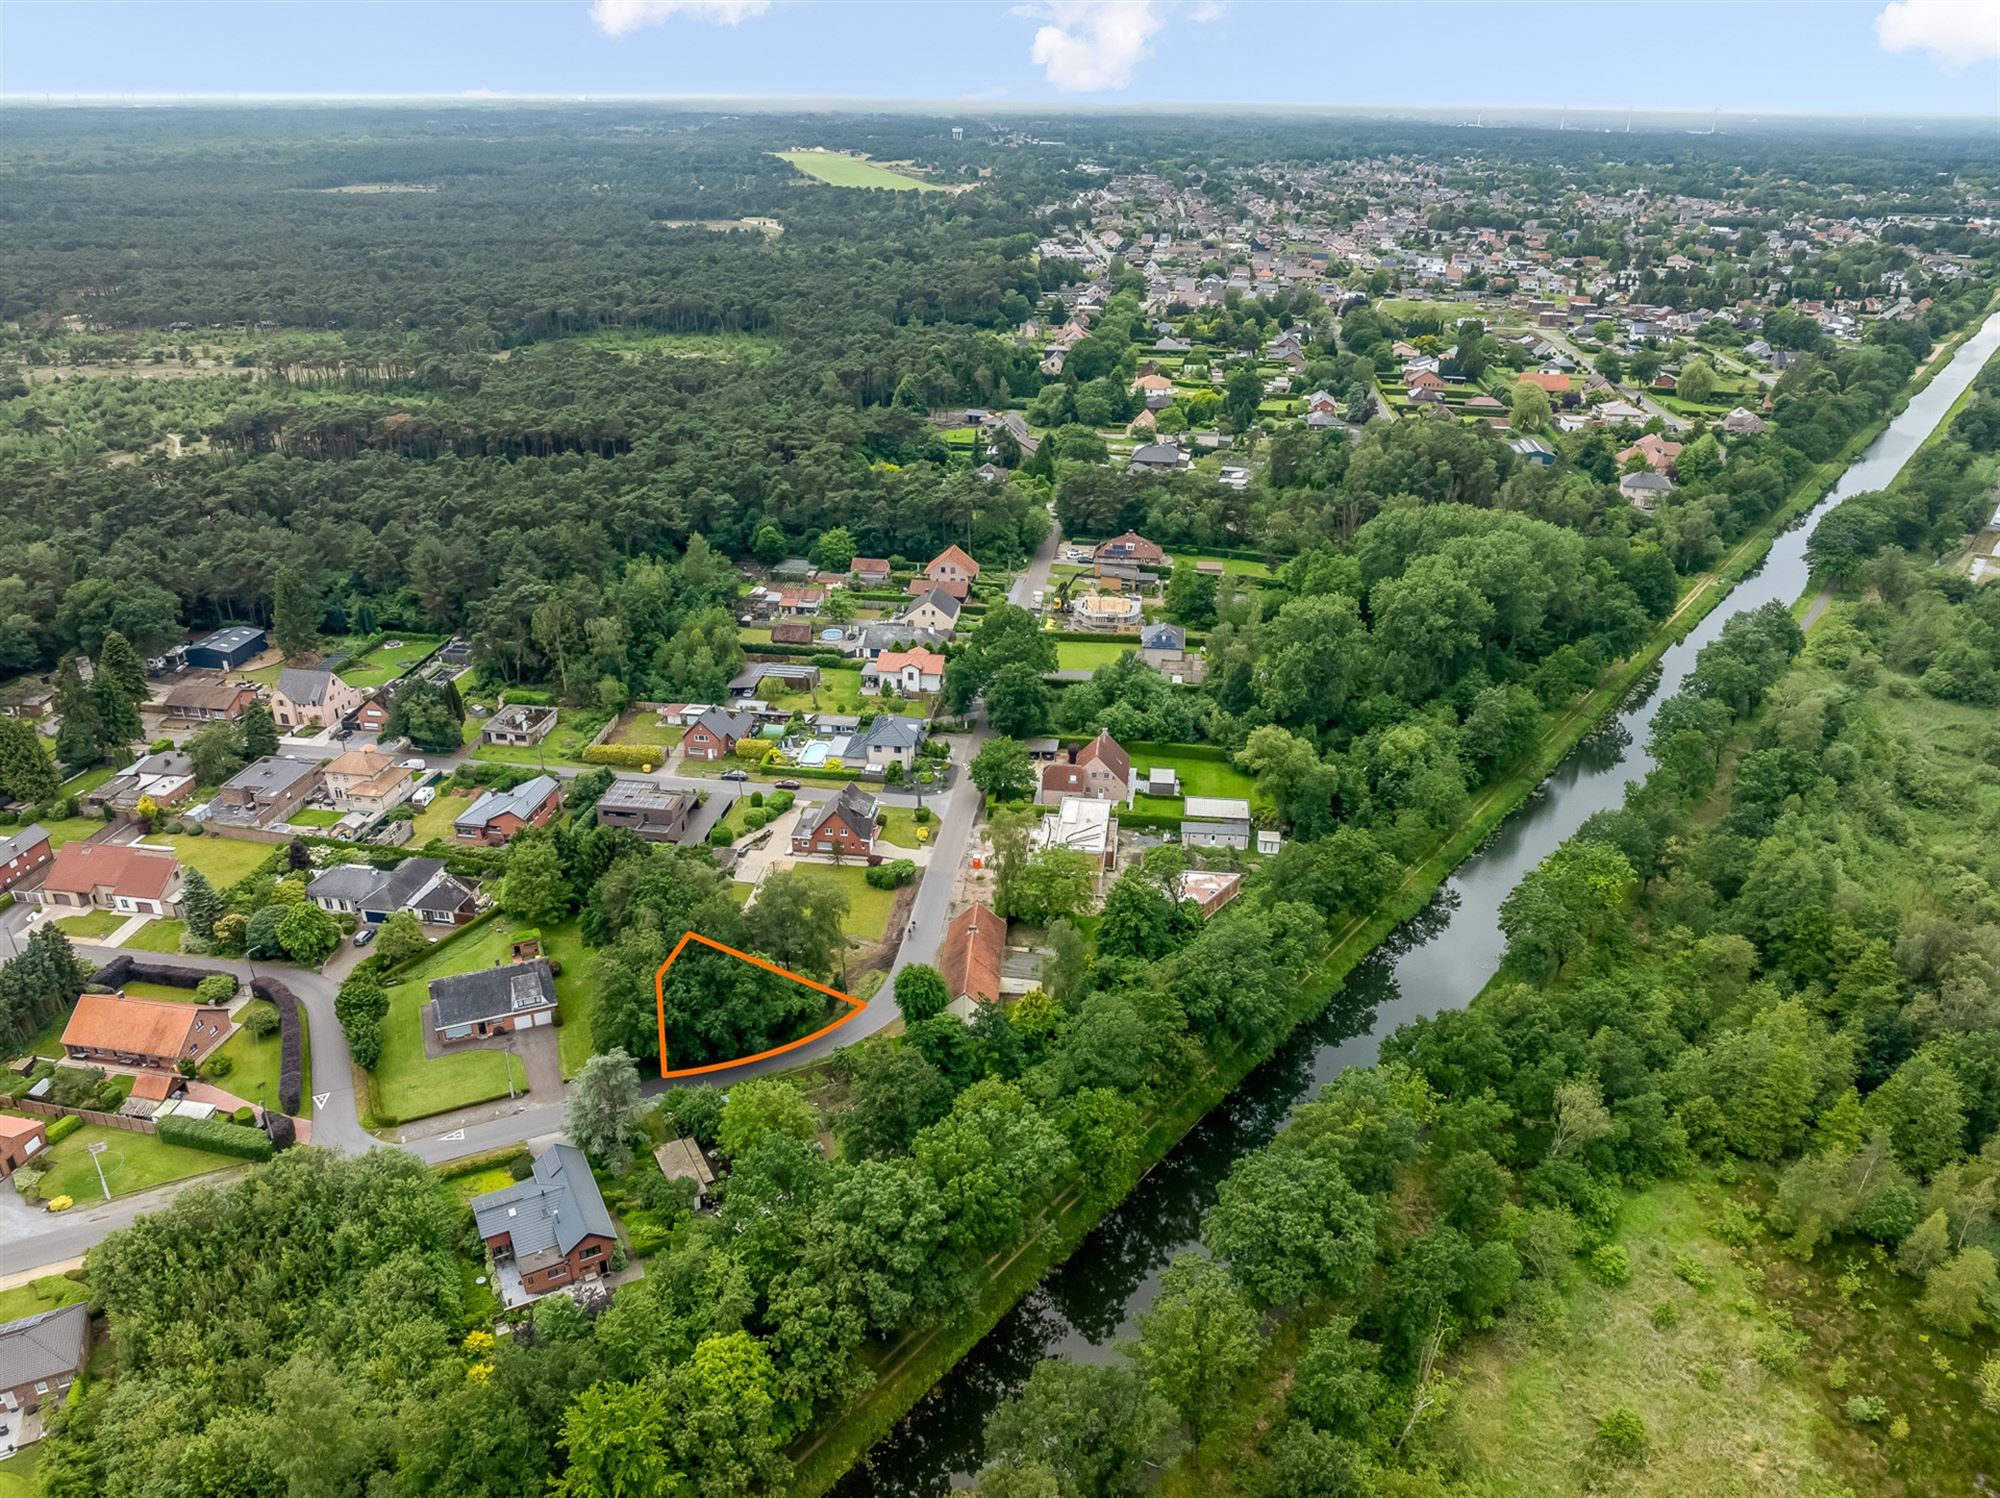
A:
{"points": [[42, 1386], [592, 1252]]}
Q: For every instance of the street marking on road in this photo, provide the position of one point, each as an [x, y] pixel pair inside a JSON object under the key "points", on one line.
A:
{"points": [[454, 1134], [321, 1099]]}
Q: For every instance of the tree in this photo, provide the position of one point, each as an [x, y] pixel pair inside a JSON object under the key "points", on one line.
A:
{"points": [[308, 934], [536, 888], [1138, 920], [401, 937], [201, 906], [118, 663], [761, 1107], [1018, 702], [296, 610], [1696, 382], [920, 993], [360, 1006], [1289, 1225], [834, 550], [80, 740], [1928, 1246], [1097, 1429], [1956, 1292], [602, 1108], [1528, 407], [215, 752], [1049, 885], [1190, 597], [1580, 1117], [260, 733], [799, 922], [428, 714], [1003, 770], [26, 773], [896, 1093], [1565, 902], [1197, 1338], [1337, 1388]]}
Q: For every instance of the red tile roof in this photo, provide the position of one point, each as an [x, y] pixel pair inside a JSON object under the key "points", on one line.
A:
{"points": [[970, 961], [124, 868], [954, 554]]}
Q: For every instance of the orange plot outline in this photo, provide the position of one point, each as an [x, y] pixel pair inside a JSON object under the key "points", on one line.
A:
{"points": [[660, 1003]]}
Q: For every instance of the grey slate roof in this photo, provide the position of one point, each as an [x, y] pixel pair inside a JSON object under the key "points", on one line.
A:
{"points": [[273, 775], [20, 842], [1163, 637], [416, 880], [304, 687], [492, 992], [941, 599], [352, 882], [555, 1208], [889, 731], [727, 724], [43, 1347], [521, 801], [852, 804]]}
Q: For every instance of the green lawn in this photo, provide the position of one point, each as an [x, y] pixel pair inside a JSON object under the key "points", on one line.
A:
{"points": [[17, 1474], [87, 780], [222, 860], [466, 1187], [47, 1041], [1231, 566], [839, 692], [435, 820], [1199, 777], [899, 826], [49, 1293], [315, 816], [161, 935], [646, 728], [253, 1071], [1088, 655], [838, 170], [139, 988], [576, 995], [132, 1162], [71, 829], [86, 927], [575, 728], [868, 908], [383, 664]]}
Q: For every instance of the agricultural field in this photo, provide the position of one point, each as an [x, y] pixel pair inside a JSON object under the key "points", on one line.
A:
{"points": [[838, 169]]}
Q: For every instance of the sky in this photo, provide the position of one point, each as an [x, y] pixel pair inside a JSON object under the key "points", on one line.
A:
{"points": [[1897, 57]]}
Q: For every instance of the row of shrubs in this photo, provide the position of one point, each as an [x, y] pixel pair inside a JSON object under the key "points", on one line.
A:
{"points": [[291, 1042], [217, 1135], [891, 875], [630, 756]]}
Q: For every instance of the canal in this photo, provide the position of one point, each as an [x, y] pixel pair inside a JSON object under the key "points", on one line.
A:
{"points": [[1438, 960]]}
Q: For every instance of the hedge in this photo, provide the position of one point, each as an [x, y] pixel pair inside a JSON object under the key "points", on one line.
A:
{"points": [[291, 1043], [63, 1127], [214, 1135], [632, 756]]}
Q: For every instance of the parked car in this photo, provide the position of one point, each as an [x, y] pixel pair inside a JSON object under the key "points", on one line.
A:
{"points": [[413, 764], [364, 936], [789, 785], [735, 774]]}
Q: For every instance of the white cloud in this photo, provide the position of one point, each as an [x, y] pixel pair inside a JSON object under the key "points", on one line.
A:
{"points": [[1089, 45], [1955, 32], [1209, 10], [616, 17]]}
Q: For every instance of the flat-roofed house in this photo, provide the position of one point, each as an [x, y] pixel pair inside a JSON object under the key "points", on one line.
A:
{"points": [[519, 725], [1215, 822], [552, 1229], [266, 791], [110, 1029], [129, 878], [651, 810], [1081, 824]]}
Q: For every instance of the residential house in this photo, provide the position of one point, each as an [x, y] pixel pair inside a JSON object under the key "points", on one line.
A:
{"points": [[126, 877], [1130, 547], [496, 816], [265, 792], [492, 1001], [792, 632], [422, 886], [842, 826], [108, 1029], [28, 697], [799, 600], [40, 1357], [367, 781], [551, 1229], [952, 569], [936, 610], [1100, 770], [373, 715], [1081, 824], [647, 808], [870, 572], [1427, 380], [519, 725], [1215, 822], [1164, 647], [1658, 453], [1552, 384], [716, 733], [975, 942], [208, 701], [22, 853], [1645, 489], [1743, 423], [21, 1139], [167, 778], [226, 649], [912, 673], [312, 699], [1155, 457], [889, 740]]}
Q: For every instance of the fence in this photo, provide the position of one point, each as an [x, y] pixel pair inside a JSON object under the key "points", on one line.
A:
{"points": [[88, 1115]]}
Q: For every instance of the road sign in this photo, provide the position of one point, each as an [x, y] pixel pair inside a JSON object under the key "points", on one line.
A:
{"points": [[321, 1099]]}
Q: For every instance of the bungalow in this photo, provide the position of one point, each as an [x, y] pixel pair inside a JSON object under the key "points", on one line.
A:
{"points": [[520, 725], [842, 826], [21, 1139], [797, 600], [649, 809], [1550, 383], [551, 1229], [716, 733], [937, 610], [226, 649], [110, 1029], [21, 853], [312, 699], [496, 816], [1100, 770], [911, 672], [1425, 379], [1148, 383], [265, 792], [1130, 547], [126, 877], [368, 781], [493, 1001], [870, 572], [1155, 457], [208, 701], [40, 1357], [1215, 822], [952, 565], [974, 944], [422, 886], [792, 632], [889, 740]]}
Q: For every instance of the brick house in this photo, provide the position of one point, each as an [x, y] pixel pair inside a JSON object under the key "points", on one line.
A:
{"points": [[496, 816], [108, 1028], [311, 699], [870, 572], [842, 826], [126, 877], [493, 1001], [716, 733], [1101, 770], [21, 1139], [40, 1357], [1130, 547], [21, 853], [553, 1228], [208, 701]]}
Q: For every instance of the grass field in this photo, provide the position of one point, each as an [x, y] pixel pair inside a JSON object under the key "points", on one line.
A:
{"points": [[161, 935], [838, 170], [132, 1163], [1088, 655], [222, 860], [49, 1293], [85, 780], [466, 1187], [1199, 777], [17, 1474], [899, 826], [71, 829], [139, 988], [575, 728], [253, 1071], [435, 820], [85, 927], [646, 728], [315, 816], [868, 908], [384, 663]]}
